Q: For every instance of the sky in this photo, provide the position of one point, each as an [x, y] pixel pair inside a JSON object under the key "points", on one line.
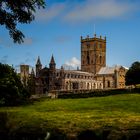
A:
{"points": [[57, 30]]}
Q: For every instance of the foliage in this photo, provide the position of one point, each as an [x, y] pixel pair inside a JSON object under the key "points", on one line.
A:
{"points": [[118, 114], [31, 85], [12, 91], [132, 76], [94, 93], [18, 11]]}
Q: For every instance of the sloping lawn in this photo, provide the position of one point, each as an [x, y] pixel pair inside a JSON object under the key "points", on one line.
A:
{"points": [[72, 116]]}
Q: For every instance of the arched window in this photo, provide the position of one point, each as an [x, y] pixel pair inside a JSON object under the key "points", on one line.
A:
{"points": [[88, 86], [100, 59], [88, 58], [108, 84], [94, 85], [100, 86]]}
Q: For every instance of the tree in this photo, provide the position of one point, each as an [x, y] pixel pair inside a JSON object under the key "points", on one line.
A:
{"points": [[12, 91], [18, 11], [132, 76]]}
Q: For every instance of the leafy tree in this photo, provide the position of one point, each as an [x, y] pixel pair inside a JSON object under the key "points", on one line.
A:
{"points": [[12, 91], [18, 11], [132, 76]]}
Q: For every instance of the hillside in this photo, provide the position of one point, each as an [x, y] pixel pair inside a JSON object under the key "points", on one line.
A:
{"points": [[116, 114]]}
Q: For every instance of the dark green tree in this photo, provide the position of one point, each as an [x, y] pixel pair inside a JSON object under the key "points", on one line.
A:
{"points": [[132, 76], [12, 91], [18, 11]]}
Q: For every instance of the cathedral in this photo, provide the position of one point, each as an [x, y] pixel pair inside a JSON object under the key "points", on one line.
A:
{"points": [[94, 73]]}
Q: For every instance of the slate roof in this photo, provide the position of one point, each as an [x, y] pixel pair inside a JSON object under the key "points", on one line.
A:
{"points": [[110, 70]]}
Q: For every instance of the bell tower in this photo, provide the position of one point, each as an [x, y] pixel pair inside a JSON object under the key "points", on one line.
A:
{"points": [[93, 54]]}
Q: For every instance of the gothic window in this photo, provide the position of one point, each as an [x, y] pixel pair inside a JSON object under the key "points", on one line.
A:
{"points": [[88, 58], [94, 85], [100, 59], [100, 86], [88, 86], [108, 84], [81, 85]]}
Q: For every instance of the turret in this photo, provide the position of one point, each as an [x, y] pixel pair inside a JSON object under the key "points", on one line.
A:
{"points": [[52, 74], [62, 72], [62, 78], [52, 63], [38, 66]]}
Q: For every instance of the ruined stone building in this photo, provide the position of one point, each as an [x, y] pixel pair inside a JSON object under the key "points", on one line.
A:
{"points": [[94, 73]]}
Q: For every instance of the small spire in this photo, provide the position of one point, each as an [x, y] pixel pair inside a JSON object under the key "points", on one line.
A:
{"points": [[32, 72], [38, 61], [52, 60]]}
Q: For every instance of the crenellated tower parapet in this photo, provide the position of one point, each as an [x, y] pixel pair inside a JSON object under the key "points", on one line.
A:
{"points": [[94, 38]]}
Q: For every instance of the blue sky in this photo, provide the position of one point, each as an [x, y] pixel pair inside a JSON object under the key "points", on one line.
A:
{"points": [[57, 30]]}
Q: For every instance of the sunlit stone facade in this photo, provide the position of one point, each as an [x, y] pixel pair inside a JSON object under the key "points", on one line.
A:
{"points": [[94, 73]]}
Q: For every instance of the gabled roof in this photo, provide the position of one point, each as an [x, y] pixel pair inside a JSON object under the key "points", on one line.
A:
{"points": [[110, 70], [106, 70]]}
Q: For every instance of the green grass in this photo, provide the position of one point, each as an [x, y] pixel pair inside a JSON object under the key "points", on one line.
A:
{"points": [[75, 115]]}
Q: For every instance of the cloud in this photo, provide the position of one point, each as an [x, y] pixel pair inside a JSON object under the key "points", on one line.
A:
{"points": [[87, 10], [72, 63], [101, 9], [50, 13]]}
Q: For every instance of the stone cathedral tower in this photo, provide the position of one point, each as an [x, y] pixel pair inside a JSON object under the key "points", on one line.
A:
{"points": [[93, 54]]}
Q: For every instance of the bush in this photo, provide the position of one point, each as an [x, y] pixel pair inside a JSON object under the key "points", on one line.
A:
{"points": [[12, 91], [97, 93]]}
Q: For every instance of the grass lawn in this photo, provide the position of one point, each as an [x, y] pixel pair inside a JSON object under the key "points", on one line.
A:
{"points": [[120, 112]]}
